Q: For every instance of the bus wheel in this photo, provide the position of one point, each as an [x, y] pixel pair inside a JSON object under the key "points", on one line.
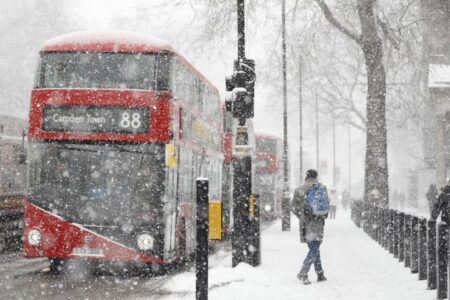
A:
{"points": [[2, 244], [56, 265]]}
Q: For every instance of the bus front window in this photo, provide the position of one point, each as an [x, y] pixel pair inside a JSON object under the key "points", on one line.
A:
{"points": [[88, 184]]}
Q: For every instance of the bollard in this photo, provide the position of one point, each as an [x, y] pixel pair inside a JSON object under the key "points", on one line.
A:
{"points": [[401, 237], [387, 229], [407, 241], [414, 244], [366, 217], [396, 232], [374, 223], [431, 255], [254, 244], [422, 243], [379, 220], [442, 259], [368, 226], [201, 252], [375, 219], [357, 212], [380, 225], [391, 231]]}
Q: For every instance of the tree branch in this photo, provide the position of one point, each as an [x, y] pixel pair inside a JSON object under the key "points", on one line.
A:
{"points": [[332, 19], [385, 28]]}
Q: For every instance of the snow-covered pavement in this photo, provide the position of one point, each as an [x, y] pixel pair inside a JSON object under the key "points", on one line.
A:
{"points": [[356, 268]]}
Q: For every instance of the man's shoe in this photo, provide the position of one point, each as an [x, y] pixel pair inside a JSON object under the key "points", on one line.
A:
{"points": [[303, 278], [321, 277]]}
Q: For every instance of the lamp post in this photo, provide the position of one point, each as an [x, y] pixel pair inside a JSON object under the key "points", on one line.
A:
{"points": [[285, 204], [300, 100], [317, 131]]}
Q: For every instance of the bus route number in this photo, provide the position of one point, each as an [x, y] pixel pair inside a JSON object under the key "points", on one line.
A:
{"points": [[133, 121]]}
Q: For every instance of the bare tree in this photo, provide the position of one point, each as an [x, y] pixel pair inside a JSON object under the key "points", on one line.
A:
{"points": [[376, 170]]}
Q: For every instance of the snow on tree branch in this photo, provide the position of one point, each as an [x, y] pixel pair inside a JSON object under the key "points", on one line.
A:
{"points": [[332, 19], [387, 33]]}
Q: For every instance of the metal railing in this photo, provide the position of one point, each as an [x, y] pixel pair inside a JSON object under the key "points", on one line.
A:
{"points": [[421, 244]]}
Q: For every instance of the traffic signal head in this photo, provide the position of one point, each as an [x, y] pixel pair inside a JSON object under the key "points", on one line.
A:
{"points": [[242, 84], [243, 104]]}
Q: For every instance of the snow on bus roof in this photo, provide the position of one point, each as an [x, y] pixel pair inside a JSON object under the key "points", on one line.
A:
{"points": [[267, 136], [106, 40], [114, 41]]}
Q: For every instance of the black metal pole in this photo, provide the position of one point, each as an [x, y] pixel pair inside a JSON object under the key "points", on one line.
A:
{"points": [[442, 259], [241, 83], [422, 249], [285, 202], [300, 98], [334, 149], [317, 129], [401, 237], [391, 230], [431, 255], [349, 162], [407, 241], [385, 229], [242, 167], [201, 253], [375, 220], [396, 233], [241, 28], [414, 244]]}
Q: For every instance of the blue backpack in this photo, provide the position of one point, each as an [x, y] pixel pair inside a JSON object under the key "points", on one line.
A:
{"points": [[317, 200]]}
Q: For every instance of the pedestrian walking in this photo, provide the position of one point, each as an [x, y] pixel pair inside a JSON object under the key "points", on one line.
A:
{"points": [[333, 203], [345, 199], [432, 195], [442, 205], [310, 205]]}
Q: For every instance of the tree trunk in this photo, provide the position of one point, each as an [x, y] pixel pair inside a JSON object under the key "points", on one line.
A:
{"points": [[376, 170]]}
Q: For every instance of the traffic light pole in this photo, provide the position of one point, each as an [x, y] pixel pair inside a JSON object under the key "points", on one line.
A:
{"points": [[244, 246]]}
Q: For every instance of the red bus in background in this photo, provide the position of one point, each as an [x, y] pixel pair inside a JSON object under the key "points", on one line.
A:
{"points": [[268, 179], [120, 126]]}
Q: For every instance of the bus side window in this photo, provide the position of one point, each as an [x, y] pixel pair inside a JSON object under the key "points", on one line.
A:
{"points": [[163, 72]]}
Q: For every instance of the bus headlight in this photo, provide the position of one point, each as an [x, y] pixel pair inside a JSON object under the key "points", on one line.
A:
{"points": [[34, 237], [145, 241], [267, 207]]}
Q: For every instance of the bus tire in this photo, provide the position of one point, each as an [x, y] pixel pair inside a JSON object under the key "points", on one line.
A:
{"points": [[56, 265], [3, 245]]}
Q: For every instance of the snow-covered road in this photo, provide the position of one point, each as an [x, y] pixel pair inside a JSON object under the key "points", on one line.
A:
{"points": [[356, 267]]}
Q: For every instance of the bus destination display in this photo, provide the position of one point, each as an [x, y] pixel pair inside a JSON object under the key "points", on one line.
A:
{"points": [[96, 119]]}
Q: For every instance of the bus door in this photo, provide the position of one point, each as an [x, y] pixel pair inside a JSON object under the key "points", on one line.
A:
{"points": [[170, 208]]}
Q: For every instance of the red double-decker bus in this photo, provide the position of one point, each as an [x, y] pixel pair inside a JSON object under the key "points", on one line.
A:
{"points": [[120, 126], [269, 175]]}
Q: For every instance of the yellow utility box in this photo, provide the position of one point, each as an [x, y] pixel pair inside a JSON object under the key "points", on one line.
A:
{"points": [[215, 220], [171, 156]]}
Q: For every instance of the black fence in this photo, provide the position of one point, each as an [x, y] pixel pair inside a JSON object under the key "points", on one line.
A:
{"points": [[420, 244]]}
